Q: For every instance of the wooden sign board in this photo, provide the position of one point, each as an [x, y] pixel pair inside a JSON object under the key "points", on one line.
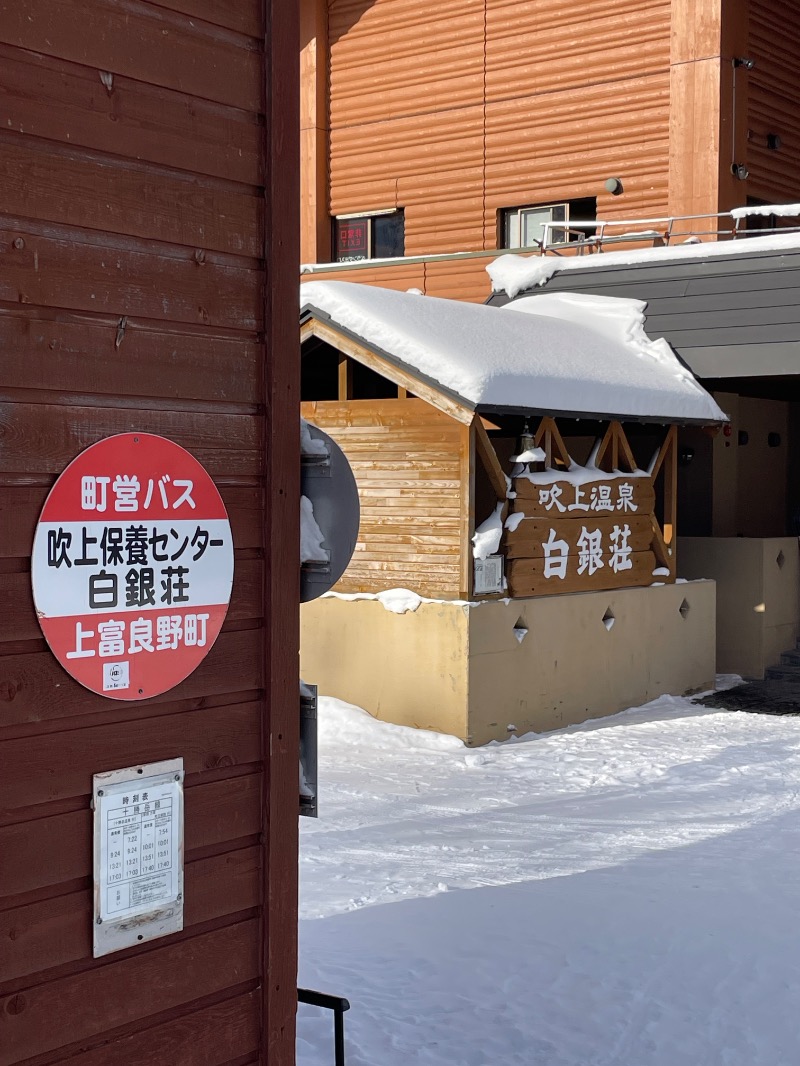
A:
{"points": [[532, 577], [624, 495], [581, 537], [528, 540]]}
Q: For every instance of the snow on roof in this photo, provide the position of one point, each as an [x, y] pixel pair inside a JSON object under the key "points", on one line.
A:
{"points": [[577, 358], [514, 273]]}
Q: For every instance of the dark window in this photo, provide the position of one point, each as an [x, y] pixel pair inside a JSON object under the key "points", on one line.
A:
{"points": [[380, 236], [534, 224], [319, 371], [369, 385], [768, 221]]}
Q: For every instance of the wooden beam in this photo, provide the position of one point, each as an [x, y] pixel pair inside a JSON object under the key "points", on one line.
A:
{"points": [[279, 490], [670, 467], [467, 508], [488, 456], [345, 378], [554, 446], [661, 454], [399, 375], [625, 452], [315, 226], [604, 453], [662, 553]]}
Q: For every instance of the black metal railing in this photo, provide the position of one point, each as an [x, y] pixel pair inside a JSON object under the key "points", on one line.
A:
{"points": [[338, 1004]]}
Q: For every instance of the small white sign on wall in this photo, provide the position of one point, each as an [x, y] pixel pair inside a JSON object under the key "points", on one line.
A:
{"points": [[488, 575], [138, 854]]}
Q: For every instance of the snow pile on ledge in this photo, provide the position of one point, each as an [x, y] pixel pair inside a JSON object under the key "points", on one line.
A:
{"points": [[310, 445], [398, 601], [495, 358], [765, 210], [514, 273], [486, 538], [311, 536]]}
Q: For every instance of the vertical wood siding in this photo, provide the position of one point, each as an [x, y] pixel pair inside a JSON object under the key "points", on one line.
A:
{"points": [[457, 111], [407, 460], [134, 164]]}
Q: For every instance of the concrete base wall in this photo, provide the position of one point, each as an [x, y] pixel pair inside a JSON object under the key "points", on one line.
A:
{"points": [[758, 583], [410, 668], [461, 669]]}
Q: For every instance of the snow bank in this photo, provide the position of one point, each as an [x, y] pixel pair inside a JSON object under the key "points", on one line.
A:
{"points": [[496, 357], [345, 726], [620, 893]]}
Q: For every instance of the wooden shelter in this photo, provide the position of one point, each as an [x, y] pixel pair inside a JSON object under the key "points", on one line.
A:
{"points": [[591, 506]]}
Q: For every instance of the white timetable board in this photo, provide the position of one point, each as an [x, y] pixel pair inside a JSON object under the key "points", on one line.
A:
{"points": [[138, 854]]}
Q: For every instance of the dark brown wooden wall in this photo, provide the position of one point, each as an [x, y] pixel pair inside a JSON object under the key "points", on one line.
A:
{"points": [[148, 251]]}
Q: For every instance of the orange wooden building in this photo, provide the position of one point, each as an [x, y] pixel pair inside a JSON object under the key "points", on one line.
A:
{"points": [[461, 128]]}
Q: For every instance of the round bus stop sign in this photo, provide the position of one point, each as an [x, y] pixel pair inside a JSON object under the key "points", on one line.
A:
{"points": [[132, 566]]}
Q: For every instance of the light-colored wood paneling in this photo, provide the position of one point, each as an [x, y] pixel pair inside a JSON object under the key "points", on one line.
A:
{"points": [[406, 458]]}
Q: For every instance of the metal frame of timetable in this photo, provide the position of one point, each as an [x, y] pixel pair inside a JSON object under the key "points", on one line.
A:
{"points": [[138, 854]]}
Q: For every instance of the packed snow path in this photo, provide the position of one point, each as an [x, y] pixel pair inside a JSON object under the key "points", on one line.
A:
{"points": [[622, 893]]}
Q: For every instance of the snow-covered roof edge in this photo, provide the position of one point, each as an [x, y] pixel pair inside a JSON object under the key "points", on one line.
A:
{"points": [[309, 310], [513, 273], [441, 344]]}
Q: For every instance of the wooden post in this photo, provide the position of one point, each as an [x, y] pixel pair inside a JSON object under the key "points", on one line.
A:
{"points": [[281, 536], [665, 464], [345, 378], [315, 223], [467, 508], [488, 456]]}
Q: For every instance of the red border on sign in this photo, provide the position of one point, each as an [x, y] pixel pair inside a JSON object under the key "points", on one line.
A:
{"points": [[133, 654]]}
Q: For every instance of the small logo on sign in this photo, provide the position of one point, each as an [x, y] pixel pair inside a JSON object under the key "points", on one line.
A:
{"points": [[116, 675]]}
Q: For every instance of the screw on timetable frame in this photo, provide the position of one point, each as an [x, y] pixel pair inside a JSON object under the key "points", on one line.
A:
{"points": [[99, 792]]}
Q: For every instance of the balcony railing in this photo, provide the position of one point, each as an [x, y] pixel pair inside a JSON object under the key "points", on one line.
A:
{"points": [[597, 235]]}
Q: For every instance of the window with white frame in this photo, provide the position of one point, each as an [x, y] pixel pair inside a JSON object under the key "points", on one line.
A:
{"points": [[540, 224], [371, 235]]}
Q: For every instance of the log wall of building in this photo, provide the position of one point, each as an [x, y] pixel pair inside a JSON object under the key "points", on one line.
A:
{"points": [[457, 112], [774, 101], [141, 172], [409, 462]]}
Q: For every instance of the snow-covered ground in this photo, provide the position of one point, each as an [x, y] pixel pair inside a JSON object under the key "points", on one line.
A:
{"points": [[622, 893]]}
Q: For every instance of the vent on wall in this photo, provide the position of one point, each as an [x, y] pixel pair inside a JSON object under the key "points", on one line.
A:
{"points": [[609, 619]]}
